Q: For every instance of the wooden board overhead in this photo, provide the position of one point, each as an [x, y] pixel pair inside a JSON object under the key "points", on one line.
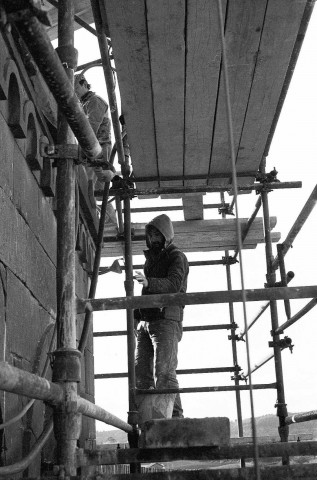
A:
{"points": [[193, 236], [168, 54]]}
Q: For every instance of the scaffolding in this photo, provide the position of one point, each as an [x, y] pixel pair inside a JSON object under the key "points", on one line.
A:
{"points": [[62, 392]]}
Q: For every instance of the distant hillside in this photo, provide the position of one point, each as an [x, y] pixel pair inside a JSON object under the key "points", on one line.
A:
{"points": [[266, 425]]}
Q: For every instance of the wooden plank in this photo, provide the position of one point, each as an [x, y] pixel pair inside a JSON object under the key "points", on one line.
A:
{"points": [[282, 22], [193, 206], [196, 236], [242, 36], [202, 75], [116, 249], [213, 226], [166, 26], [128, 30]]}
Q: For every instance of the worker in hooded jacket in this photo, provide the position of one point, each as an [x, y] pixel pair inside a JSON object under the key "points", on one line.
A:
{"points": [[160, 329]]}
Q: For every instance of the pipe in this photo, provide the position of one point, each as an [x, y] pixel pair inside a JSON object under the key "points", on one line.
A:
{"points": [[297, 316], [93, 411], [301, 417], [298, 224], [120, 218], [233, 338], [290, 276], [94, 278], [104, 52], [108, 456], [188, 371], [220, 388], [198, 298], [283, 275], [199, 328], [271, 279], [249, 224], [198, 263], [77, 19], [129, 288], [18, 381], [23, 464], [50, 66], [209, 189], [67, 421], [174, 208]]}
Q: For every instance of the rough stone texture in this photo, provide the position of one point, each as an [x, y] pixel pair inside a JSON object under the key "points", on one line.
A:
{"points": [[155, 407], [28, 277], [185, 432]]}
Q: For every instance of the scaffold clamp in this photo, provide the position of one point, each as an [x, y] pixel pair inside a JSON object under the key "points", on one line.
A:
{"points": [[283, 343]]}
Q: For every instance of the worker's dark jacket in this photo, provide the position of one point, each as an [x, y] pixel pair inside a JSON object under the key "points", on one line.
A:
{"points": [[166, 273], [97, 111]]}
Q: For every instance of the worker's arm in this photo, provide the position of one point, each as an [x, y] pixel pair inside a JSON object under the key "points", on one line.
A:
{"points": [[96, 109], [172, 283]]}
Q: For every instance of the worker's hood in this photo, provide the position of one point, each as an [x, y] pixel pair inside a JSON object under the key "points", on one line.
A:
{"points": [[164, 225]]}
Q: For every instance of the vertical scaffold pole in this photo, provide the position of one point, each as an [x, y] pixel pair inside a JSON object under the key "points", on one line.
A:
{"points": [[233, 343], [129, 288], [66, 369], [271, 279]]}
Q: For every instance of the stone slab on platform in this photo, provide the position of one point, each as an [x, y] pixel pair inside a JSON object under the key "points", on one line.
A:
{"points": [[185, 432], [152, 407]]}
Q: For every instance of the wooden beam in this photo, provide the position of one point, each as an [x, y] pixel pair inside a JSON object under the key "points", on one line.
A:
{"points": [[128, 31], [198, 298], [166, 26]]}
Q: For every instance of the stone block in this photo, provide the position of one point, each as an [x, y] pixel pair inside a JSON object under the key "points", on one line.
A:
{"points": [[155, 406], [185, 432]]}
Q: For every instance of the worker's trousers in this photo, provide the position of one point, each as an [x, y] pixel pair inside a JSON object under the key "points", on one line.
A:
{"points": [[156, 356]]}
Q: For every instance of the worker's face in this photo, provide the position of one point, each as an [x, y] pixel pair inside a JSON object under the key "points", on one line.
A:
{"points": [[154, 239], [80, 88]]}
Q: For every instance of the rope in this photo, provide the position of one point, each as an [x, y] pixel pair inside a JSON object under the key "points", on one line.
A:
{"points": [[238, 227]]}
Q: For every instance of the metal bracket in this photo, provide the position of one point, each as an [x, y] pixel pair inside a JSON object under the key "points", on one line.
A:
{"points": [[240, 377], [229, 260], [69, 151], [285, 342], [234, 337], [226, 210], [23, 8], [267, 177], [281, 409], [122, 187]]}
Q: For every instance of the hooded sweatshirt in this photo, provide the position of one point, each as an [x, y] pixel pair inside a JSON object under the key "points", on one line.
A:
{"points": [[166, 272]]}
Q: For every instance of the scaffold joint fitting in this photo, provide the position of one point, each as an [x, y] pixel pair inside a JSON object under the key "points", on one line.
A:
{"points": [[285, 342], [229, 260], [66, 365]]}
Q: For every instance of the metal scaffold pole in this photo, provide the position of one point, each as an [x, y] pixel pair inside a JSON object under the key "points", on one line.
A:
{"points": [[271, 279], [233, 341], [66, 368]]}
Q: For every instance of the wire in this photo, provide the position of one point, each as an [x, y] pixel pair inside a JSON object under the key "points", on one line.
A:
{"points": [[238, 227]]}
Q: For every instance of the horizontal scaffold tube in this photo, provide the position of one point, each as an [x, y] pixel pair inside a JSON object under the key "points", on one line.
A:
{"points": [[301, 417], [199, 298], [50, 66], [148, 455], [218, 388], [93, 411], [18, 381], [210, 189]]}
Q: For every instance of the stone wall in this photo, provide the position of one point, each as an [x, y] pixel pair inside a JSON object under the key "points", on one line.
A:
{"points": [[28, 252]]}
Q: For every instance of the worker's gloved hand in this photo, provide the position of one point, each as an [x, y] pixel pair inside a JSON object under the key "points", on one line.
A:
{"points": [[141, 325], [103, 175], [141, 278]]}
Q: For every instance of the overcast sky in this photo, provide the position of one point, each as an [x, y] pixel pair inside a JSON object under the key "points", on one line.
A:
{"points": [[293, 152]]}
